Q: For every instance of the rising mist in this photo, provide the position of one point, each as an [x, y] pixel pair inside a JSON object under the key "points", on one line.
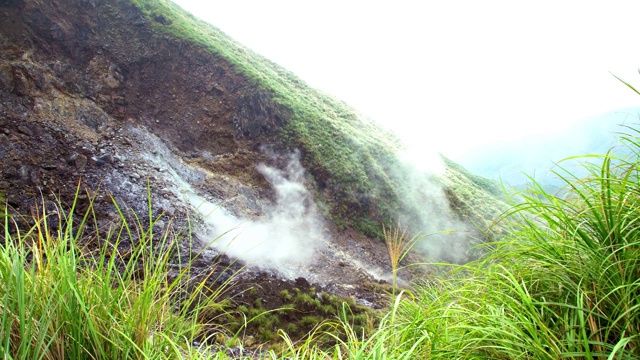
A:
{"points": [[284, 238]]}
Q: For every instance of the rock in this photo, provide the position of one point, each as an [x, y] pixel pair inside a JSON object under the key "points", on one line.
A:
{"points": [[23, 173], [93, 117], [34, 177], [162, 20], [25, 130], [80, 161], [367, 303], [22, 83], [6, 79], [302, 282], [104, 159], [4, 140], [223, 277], [159, 225], [10, 172], [257, 115]]}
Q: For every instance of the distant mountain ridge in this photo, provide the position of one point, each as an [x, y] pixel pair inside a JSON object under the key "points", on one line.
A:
{"points": [[513, 161]]}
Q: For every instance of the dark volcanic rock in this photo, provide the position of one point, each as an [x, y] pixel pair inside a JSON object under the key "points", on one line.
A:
{"points": [[81, 72]]}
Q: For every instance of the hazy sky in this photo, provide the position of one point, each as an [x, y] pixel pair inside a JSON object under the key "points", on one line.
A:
{"points": [[454, 74]]}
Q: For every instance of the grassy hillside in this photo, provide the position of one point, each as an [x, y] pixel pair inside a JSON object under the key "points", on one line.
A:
{"points": [[563, 283], [353, 161]]}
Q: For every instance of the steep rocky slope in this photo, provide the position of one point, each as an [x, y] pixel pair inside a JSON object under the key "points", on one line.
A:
{"points": [[132, 96]]}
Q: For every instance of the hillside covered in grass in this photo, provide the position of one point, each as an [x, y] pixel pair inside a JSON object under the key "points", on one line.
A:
{"points": [[351, 158], [561, 284]]}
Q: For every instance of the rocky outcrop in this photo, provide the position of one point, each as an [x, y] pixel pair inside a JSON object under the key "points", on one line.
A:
{"points": [[77, 76], [257, 116]]}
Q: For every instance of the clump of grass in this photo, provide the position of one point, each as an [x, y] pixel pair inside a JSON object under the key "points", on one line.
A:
{"points": [[398, 246], [61, 300], [299, 314], [344, 339], [286, 296]]}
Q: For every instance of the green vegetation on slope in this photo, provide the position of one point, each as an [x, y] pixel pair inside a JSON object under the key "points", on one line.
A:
{"points": [[563, 283], [473, 197], [302, 312], [483, 183], [67, 291], [352, 160]]}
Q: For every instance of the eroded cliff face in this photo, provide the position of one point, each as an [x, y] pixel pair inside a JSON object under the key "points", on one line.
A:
{"points": [[77, 76]]}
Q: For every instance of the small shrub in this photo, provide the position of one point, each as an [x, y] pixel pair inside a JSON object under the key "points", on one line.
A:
{"points": [[310, 322]]}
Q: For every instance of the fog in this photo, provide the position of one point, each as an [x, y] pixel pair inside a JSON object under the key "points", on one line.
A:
{"points": [[426, 210], [512, 162]]}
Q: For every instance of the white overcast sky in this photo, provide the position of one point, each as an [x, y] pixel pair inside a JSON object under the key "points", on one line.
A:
{"points": [[453, 74]]}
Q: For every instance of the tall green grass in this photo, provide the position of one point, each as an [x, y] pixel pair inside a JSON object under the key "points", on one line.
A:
{"points": [[110, 298], [563, 283], [72, 290]]}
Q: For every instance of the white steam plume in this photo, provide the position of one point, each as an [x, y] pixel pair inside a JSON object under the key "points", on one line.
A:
{"points": [[427, 210], [284, 239]]}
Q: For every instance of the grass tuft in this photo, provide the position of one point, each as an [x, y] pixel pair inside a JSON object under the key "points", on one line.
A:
{"points": [[398, 246]]}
